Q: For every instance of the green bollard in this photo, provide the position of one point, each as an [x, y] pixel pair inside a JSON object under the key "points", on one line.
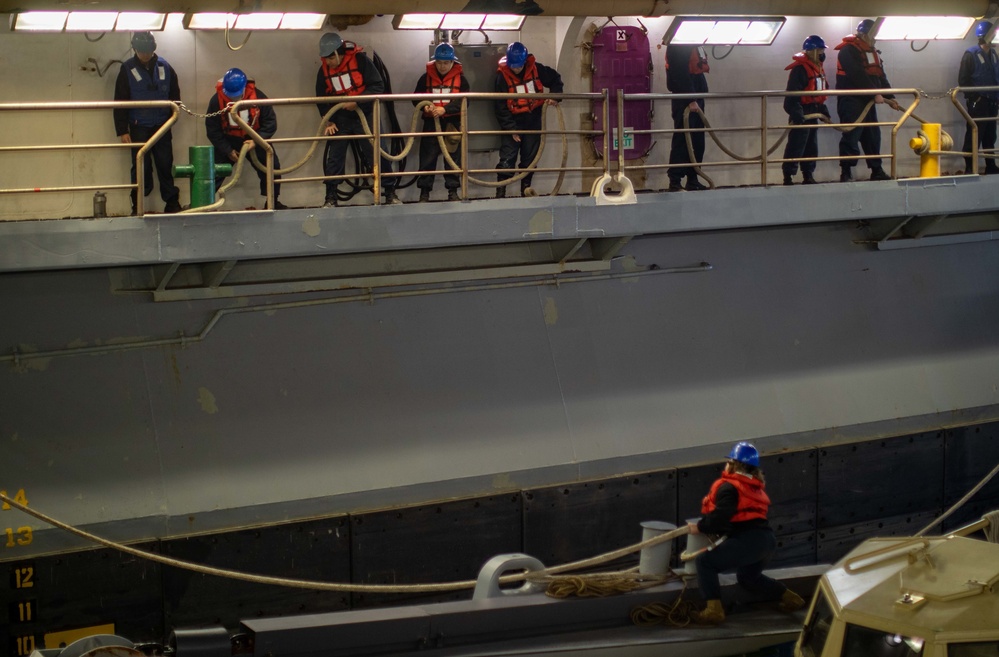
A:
{"points": [[202, 172]]}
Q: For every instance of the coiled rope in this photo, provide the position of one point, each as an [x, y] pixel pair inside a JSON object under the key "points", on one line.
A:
{"points": [[677, 614], [338, 586]]}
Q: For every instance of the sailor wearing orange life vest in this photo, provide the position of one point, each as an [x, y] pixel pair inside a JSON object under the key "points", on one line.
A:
{"points": [[736, 506], [519, 72], [442, 78], [685, 74], [806, 74], [227, 136], [859, 66], [346, 71]]}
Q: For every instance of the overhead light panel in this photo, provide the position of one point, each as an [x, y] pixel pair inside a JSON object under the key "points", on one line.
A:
{"points": [[254, 21], [39, 21], [502, 22], [137, 21], [303, 22], [91, 21], [86, 21], [462, 21], [457, 22], [923, 28], [724, 31]]}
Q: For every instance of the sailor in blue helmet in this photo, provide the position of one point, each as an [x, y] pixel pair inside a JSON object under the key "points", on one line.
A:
{"points": [[807, 73], [736, 507], [442, 78], [227, 136], [520, 72], [859, 66], [980, 68], [147, 76]]}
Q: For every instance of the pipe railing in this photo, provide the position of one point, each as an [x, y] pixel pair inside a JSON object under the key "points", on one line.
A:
{"points": [[376, 135], [763, 159], [142, 148]]}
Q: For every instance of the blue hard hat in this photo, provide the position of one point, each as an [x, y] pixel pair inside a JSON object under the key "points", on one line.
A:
{"points": [[516, 54], [444, 53], [746, 454], [329, 43], [982, 29], [143, 42], [813, 42], [865, 26], [233, 82]]}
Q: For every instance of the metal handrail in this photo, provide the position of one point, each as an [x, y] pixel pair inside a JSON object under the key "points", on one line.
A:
{"points": [[376, 134], [143, 148], [763, 128]]}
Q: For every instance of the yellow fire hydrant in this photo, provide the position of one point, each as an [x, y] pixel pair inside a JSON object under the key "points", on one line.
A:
{"points": [[928, 144]]}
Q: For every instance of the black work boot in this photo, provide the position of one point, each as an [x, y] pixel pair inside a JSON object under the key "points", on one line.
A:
{"points": [[501, 192], [787, 180], [424, 195], [845, 174], [808, 179], [452, 195], [879, 174]]}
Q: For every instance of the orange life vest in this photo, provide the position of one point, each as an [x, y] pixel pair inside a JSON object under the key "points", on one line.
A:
{"points": [[528, 83], [345, 79], [816, 78], [872, 60], [251, 115], [753, 500], [449, 84]]}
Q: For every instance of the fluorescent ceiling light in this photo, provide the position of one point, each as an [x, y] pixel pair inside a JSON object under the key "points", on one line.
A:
{"points": [[136, 21], [259, 21], [457, 22], [303, 21], [39, 21], [462, 21], [502, 22], [728, 31], [923, 28], [91, 21], [254, 21], [209, 21], [417, 21]]}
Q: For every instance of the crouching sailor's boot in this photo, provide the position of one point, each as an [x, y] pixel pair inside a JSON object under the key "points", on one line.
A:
{"points": [[713, 613], [790, 601]]}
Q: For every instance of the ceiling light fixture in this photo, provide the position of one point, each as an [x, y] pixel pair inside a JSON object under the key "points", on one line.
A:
{"points": [[254, 21], [86, 21], [923, 28], [724, 30], [492, 22]]}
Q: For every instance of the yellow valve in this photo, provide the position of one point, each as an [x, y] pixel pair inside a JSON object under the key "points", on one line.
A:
{"points": [[927, 145]]}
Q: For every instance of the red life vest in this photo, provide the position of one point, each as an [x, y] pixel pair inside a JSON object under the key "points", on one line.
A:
{"points": [[872, 60], [345, 79], [753, 500], [528, 82], [250, 115], [816, 78], [449, 84]]}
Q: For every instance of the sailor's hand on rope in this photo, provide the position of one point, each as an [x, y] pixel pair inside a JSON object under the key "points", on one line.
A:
{"points": [[233, 155], [692, 526], [693, 106], [126, 138], [330, 130], [516, 138], [892, 103], [551, 101], [350, 107]]}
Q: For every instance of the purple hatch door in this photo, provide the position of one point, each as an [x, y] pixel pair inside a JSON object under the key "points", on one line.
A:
{"points": [[622, 60]]}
